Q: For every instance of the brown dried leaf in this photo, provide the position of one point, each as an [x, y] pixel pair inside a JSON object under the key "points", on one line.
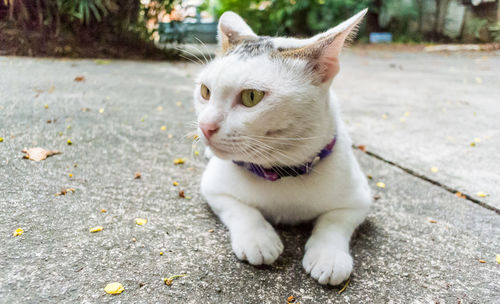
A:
{"points": [[79, 78], [38, 154], [137, 175], [362, 148], [181, 194]]}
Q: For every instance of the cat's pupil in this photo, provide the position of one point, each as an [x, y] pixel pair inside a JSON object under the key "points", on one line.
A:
{"points": [[251, 95]]}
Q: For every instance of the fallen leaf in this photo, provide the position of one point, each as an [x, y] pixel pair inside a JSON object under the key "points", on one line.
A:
{"points": [[196, 153], [70, 175], [69, 142], [211, 230], [431, 221], [482, 261], [101, 110], [104, 210], [380, 185], [137, 175], [38, 154], [46, 106], [1, 139], [163, 128], [96, 229], [79, 78], [85, 109], [134, 239], [345, 286], [362, 148], [434, 169], [179, 161], [181, 193], [65, 191], [290, 299], [161, 252], [175, 184], [498, 258], [141, 221], [18, 232], [460, 195], [169, 281], [481, 194], [377, 197], [114, 288]]}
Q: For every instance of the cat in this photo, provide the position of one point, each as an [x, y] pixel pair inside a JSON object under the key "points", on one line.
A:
{"points": [[279, 152]]}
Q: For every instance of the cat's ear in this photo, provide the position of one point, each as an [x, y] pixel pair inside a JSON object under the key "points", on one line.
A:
{"points": [[232, 30], [323, 50]]}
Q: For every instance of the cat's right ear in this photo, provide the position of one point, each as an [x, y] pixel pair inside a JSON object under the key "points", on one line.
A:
{"points": [[232, 30]]}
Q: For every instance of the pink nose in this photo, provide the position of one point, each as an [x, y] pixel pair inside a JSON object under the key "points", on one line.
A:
{"points": [[209, 129]]}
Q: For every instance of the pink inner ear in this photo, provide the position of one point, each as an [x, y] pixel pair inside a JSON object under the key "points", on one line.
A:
{"points": [[328, 62]]}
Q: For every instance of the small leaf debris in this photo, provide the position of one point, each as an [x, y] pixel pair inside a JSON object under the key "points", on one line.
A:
{"points": [[460, 195], [362, 148], [181, 194], [179, 161], [498, 258], [114, 288], [18, 232], [64, 191], [101, 110], [290, 299], [96, 229], [434, 169], [1, 139], [175, 184], [380, 185], [104, 210], [431, 221], [69, 142], [169, 281], [482, 261], [38, 154], [163, 128], [345, 286], [481, 194], [79, 78], [137, 175], [141, 221]]}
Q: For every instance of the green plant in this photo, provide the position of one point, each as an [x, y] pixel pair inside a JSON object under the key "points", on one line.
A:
{"points": [[495, 31]]}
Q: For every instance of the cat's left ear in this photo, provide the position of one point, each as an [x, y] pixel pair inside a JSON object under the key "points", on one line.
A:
{"points": [[323, 50], [232, 30]]}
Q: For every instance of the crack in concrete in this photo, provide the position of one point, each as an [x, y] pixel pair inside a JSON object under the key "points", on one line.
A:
{"points": [[430, 180]]}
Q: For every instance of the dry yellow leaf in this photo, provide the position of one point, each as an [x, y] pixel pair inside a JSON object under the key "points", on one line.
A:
{"points": [[179, 161], [481, 194], [104, 210], [79, 78], [141, 221], [161, 252], [18, 232], [498, 258], [196, 153], [482, 261], [1, 139], [38, 154], [169, 281], [380, 185], [46, 106], [175, 184], [114, 288], [70, 175], [163, 128], [96, 229], [69, 142], [434, 169]]}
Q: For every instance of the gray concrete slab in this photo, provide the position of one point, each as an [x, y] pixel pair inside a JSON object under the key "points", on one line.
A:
{"points": [[400, 256], [424, 110]]}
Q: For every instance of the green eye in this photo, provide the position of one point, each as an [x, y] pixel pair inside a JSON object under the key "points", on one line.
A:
{"points": [[251, 97], [205, 92]]}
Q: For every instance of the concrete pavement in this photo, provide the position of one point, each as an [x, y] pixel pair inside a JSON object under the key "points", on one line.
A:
{"points": [[420, 243]]}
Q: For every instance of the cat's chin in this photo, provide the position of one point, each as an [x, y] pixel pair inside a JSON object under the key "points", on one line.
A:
{"points": [[222, 154]]}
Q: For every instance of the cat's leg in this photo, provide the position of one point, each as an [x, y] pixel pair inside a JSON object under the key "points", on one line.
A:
{"points": [[253, 239], [327, 258]]}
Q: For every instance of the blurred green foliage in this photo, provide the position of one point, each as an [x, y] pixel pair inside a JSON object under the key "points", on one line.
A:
{"points": [[293, 17]]}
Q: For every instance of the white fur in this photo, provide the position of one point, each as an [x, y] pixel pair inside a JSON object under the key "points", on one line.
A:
{"points": [[293, 122]]}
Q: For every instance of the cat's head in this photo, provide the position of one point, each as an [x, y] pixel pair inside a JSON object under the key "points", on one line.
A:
{"points": [[265, 100]]}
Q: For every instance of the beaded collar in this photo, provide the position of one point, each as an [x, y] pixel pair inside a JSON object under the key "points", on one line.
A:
{"points": [[275, 173]]}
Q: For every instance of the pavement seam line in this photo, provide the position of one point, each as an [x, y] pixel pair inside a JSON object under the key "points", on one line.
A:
{"points": [[429, 180]]}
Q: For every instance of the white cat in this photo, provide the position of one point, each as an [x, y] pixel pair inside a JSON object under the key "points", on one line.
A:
{"points": [[281, 152]]}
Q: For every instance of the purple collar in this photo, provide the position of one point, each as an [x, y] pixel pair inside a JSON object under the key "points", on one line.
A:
{"points": [[275, 173]]}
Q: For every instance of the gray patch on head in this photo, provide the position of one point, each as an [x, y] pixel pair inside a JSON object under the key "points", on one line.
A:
{"points": [[252, 48]]}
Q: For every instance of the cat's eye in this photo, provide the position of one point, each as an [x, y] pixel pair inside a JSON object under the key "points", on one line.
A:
{"points": [[251, 97], [205, 92]]}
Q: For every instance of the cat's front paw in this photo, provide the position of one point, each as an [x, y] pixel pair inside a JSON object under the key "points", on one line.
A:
{"points": [[258, 245], [327, 265]]}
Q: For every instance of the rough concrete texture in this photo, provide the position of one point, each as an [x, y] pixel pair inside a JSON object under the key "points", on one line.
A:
{"points": [[425, 110], [420, 243]]}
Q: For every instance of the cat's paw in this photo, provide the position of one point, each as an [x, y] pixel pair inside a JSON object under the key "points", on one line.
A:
{"points": [[259, 245], [327, 265]]}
